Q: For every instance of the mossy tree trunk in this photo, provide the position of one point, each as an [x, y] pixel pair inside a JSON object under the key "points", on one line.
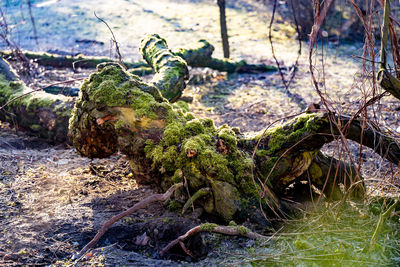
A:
{"points": [[37, 112], [167, 144], [198, 54]]}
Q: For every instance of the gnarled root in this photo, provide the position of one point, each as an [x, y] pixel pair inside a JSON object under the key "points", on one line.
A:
{"points": [[211, 228], [142, 204]]}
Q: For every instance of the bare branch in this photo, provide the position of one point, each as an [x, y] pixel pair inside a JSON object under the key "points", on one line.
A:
{"points": [[114, 40]]}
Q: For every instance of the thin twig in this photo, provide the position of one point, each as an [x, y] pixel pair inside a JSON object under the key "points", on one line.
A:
{"points": [[294, 96], [114, 40]]}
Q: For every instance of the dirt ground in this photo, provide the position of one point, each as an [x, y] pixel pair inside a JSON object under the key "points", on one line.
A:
{"points": [[52, 201]]}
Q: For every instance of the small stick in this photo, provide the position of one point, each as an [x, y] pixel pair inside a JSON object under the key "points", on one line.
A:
{"points": [[140, 205], [114, 40], [211, 228]]}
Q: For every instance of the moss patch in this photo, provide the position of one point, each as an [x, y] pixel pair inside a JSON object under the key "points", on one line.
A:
{"points": [[208, 227]]}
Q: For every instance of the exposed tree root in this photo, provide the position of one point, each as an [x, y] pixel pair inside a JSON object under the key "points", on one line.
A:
{"points": [[142, 204], [211, 228]]}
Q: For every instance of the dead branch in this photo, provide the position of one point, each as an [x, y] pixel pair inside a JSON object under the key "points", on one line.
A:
{"points": [[212, 228], [140, 205]]}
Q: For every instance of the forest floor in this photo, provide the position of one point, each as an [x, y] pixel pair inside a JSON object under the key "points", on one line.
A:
{"points": [[52, 201]]}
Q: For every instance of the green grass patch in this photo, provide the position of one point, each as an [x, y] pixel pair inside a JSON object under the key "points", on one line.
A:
{"points": [[331, 236]]}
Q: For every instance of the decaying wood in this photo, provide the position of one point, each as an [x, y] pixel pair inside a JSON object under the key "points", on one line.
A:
{"points": [[140, 205], [166, 144]]}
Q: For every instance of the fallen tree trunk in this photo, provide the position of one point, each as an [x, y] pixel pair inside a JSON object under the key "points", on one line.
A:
{"points": [[43, 114], [199, 55], [79, 61], [166, 144]]}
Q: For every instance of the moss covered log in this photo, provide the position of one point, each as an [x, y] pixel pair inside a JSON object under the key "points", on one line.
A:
{"points": [[78, 61], [42, 114], [196, 55], [200, 55], [167, 144]]}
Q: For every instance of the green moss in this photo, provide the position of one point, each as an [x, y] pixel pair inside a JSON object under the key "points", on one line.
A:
{"points": [[173, 134], [195, 126], [177, 177], [181, 105], [315, 172], [113, 87], [243, 230], [228, 135], [35, 127], [195, 143], [232, 223], [33, 103], [208, 227], [226, 199], [170, 69], [216, 164], [107, 93], [169, 156], [199, 194], [175, 205], [299, 128], [8, 89], [188, 147]]}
